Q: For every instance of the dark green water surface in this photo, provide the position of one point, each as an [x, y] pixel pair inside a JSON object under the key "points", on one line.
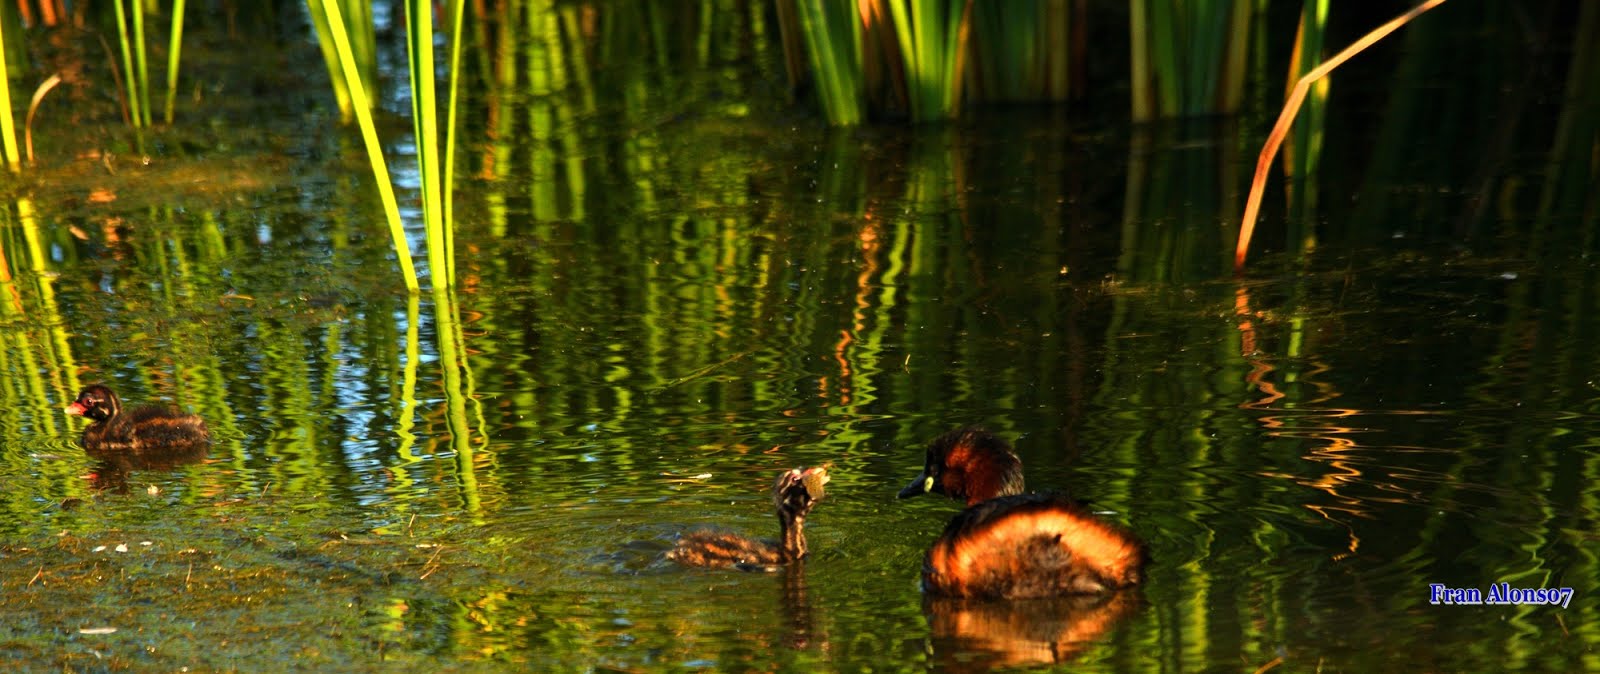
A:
{"points": [[662, 305]]}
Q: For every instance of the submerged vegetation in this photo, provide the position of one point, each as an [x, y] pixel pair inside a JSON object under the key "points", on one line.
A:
{"points": [[222, 591]]}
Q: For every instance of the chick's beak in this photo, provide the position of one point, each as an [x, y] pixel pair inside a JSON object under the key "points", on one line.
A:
{"points": [[76, 408]]}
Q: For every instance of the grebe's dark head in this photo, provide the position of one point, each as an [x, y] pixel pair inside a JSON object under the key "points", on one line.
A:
{"points": [[969, 464], [96, 402]]}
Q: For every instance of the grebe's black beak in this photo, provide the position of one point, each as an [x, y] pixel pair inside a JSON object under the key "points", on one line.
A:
{"points": [[921, 484]]}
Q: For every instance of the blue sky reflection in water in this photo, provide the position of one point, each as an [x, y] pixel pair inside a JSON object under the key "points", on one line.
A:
{"points": [[657, 316]]}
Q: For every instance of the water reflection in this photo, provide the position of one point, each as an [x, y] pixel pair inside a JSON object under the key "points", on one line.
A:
{"points": [[978, 636], [798, 612], [112, 467]]}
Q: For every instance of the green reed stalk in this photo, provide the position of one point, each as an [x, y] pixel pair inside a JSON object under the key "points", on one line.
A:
{"points": [[930, 40], [1022, 51], [8, 125], [173, 50], [11, 21], [425, 123], [1238, 52], [832, 34], [1305, 147], [135, 115], [1164, 59], [1187, 58], [447, 207], [1252, 205], [330, 57], [363, 45], [794, 51], [1139, 57], [363, 42], [1204, 60], [369, 135], [1007, 36], [142, 61], [1060, 45]]}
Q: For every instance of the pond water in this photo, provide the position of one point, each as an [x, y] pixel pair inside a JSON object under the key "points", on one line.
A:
{"points": [[662, 305]]}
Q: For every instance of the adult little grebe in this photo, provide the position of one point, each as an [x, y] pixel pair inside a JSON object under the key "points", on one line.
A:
{"points": [[1010, 544], [136, 430], [794, 494]]}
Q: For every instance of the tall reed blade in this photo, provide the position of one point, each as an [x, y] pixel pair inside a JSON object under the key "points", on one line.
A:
{"points": [[1252, 206], [141, 61], [8, 126], [425, 123], [330, 56], [1300, 156], [369, 135], [135, 114], [1188, 58], [173, 50], [833, 42], [930, 34], [363, 43], [447, 205]]}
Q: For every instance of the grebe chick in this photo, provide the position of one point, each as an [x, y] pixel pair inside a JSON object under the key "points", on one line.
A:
{"points": [[794, 493], [136, 430], [1011, 545]]}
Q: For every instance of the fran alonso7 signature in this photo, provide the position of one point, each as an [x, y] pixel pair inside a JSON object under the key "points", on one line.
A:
{"points": [[1499, 593]]}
